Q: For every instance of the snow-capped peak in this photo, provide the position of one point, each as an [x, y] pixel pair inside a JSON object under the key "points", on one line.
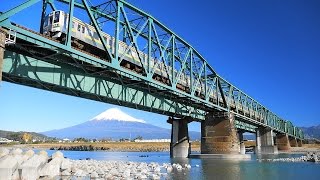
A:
{"points": [[116, 114]]}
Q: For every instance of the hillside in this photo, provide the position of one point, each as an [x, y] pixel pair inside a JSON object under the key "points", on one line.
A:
{"points": [[312, 132], [17, 136]]}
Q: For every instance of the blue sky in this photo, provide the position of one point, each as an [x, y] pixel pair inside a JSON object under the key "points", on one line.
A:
{"points": [[270, 49]]}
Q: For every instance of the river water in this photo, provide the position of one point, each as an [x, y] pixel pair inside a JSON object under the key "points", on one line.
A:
{"points": [[214, 169]]}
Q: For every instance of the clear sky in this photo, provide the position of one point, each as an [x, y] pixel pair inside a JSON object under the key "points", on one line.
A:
{"points": [[270, 49]]}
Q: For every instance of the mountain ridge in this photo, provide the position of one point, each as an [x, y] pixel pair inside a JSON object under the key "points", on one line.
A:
{"points": [[312, 131], [106, 126]]}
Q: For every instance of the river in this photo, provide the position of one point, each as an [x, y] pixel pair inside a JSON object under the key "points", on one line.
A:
{"points": [[214, 169]]}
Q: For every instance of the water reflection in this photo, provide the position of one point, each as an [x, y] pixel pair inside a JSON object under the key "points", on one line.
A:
{"points": [[220, 169]]}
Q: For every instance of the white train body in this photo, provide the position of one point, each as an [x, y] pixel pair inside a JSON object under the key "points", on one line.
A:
{"points": [[56, 24]]}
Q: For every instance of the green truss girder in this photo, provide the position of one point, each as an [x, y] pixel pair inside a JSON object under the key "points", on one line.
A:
{"points": [[73, 81], [218, 94]]}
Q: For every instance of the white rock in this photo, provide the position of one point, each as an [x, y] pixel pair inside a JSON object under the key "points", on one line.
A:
{"points": [[66, 164], [52, 169], [30, 168], [57, 154], [126, 173], [142, 176], [80, 173], [15, 175], [144, 171], [8, 165], [154, 176], [94, 175], [108, 177], [28, 154], [157, 169], [65, 173], [4, 152], [100, 171], [113, 172], [179, 167], [17, 151], [169, 169]]}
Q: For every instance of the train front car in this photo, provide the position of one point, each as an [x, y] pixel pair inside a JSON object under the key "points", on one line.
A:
{"points": [[54, 24]]}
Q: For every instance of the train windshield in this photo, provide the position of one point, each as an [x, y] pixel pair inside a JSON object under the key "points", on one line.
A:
{"points": [[56, 16]]}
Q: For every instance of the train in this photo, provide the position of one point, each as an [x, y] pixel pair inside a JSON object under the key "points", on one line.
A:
{"points": [[85, 37]]}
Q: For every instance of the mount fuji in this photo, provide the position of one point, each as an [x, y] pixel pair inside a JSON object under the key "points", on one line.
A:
{"points": [[115, 124]]}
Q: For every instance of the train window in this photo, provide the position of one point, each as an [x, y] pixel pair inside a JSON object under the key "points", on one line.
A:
{"points": [[72, 24], [50, 20], [79, 27], [56, 16]]}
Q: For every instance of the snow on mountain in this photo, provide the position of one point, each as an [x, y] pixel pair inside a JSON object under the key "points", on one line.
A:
{"points": [[115, 124], [115, 114]]}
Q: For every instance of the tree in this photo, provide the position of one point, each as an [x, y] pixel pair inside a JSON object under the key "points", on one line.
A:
{"points": [[26, 137]]}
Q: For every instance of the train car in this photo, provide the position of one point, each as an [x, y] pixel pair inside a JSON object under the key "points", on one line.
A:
{"points": [[85, 37]]}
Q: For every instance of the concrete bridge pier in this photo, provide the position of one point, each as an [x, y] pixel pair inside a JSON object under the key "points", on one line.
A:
{"points": [[179, 146], [293, 142], [2, 46], [283, 142], [219, 135], [265, 142], [300, 143], [242, 146]]}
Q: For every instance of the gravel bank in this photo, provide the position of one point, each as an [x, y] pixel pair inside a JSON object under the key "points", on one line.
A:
{"points": [[16, 164], [310, 157]]}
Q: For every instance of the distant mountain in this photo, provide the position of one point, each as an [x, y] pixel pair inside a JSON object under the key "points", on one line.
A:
{"points": [[115, 124], [18, 135], [312, 132]]}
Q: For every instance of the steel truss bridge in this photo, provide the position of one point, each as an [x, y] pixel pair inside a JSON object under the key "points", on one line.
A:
{"points": [[188, 86]]}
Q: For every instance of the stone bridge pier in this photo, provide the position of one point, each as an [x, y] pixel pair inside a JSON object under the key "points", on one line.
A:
{"points": [[219, 135], [283, 142], [293, 142], [265, 141], [299, 143], [180, 145]]}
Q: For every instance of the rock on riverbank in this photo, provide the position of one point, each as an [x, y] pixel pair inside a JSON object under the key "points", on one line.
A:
{"points": [[310, 157], [16, 164]]}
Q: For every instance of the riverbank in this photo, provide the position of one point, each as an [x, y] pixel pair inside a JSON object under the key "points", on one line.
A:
{"points": [[139, 147], [108, 146], [306, 148]]}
